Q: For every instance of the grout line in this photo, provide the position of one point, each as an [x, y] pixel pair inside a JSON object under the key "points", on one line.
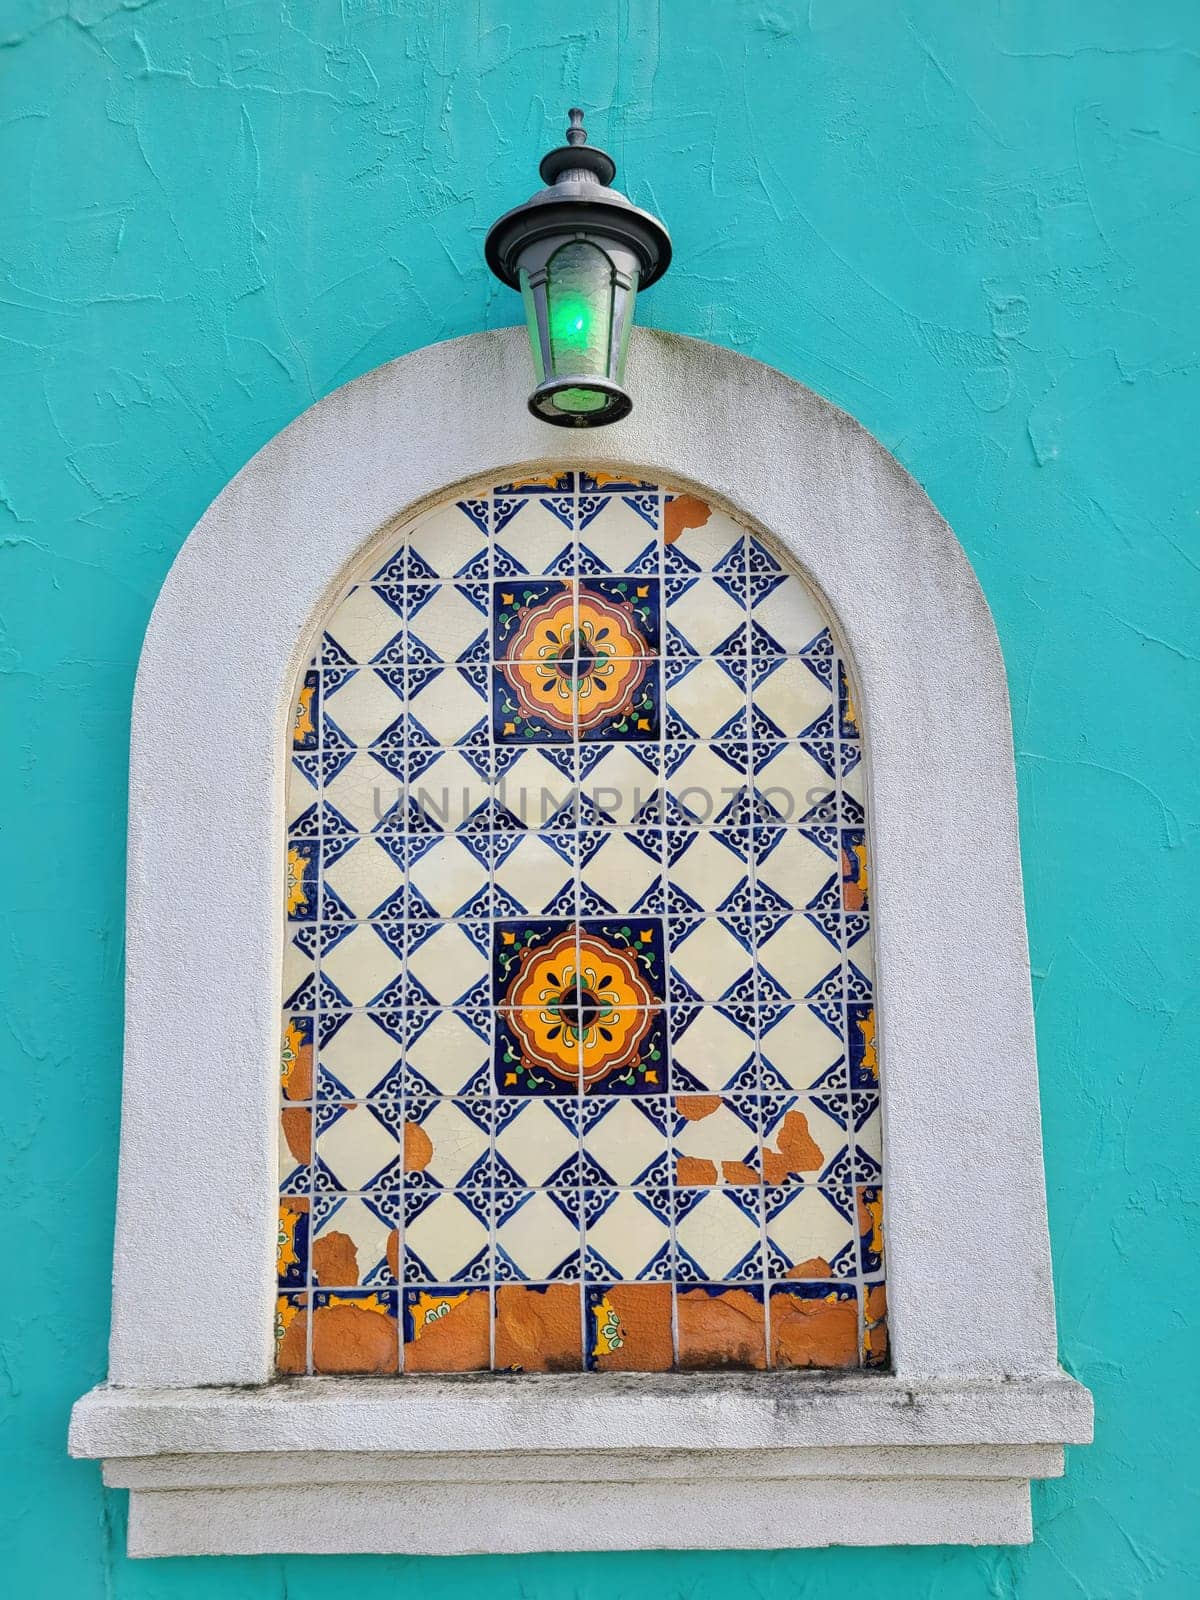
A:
{"points": [[496, 798], [402, 1220], [668, 948], [851, 1131], [577, 865], [752, 783], [315, 1064]]}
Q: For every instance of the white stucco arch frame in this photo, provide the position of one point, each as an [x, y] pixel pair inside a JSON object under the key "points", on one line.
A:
{"points": [[221, 1459]]}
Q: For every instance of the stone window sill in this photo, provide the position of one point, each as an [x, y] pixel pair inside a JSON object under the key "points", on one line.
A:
{"points": [[442, 1465]]}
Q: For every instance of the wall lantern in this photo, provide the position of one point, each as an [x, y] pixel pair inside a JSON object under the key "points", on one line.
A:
{"points": [[579, 252]]}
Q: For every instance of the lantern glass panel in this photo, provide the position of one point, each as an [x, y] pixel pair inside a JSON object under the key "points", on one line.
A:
{"points": [[531, 325], [580, 313]]}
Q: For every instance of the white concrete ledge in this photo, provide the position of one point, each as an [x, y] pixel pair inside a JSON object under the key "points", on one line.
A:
{"points": [[437, 1465], [580, 1514], [733, 1412]]}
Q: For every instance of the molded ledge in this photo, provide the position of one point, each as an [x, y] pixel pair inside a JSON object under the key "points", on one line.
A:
{"points": [[738, 1461]]}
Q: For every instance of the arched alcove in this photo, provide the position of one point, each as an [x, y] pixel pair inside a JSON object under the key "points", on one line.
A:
{"points": [[938, 1449]]}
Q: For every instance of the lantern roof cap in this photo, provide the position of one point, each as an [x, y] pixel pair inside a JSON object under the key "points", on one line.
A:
{"points": [[578, 199]]}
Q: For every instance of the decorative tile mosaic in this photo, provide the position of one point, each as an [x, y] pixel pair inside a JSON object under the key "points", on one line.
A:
{"points": [[578, 1065]]}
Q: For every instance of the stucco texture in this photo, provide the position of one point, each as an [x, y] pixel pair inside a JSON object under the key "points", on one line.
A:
{"points": [[973, 226]]}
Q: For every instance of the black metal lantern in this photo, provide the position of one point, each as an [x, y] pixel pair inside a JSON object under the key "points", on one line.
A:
{"points": [[579, 252]]}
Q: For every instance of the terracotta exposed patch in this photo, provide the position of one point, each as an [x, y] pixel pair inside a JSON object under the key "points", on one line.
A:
{"points": [[335, 1260], [291, 1351], [286, 1254], [552, 481], [721, 1330], [813, 1333], [393, 1253], [297, 1083], [684, 511], [454, 1339], [814, 1267], [875, 1330], [694, 1171], [297, 1132], [739, 1172], [538, 1330], [638, 1315], [353, 1338], [866, 1029], [870, 1218], [854, 878], [696, 1106], [797, 1151], [418, 1147]]}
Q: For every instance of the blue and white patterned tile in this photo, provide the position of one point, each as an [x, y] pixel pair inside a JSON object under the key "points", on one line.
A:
{"points": [[712, 1049], [627, 1235], [803, 1135], [620, 785], [790, 868], [295, 1150], [363, 791], [703, 700], [448, 541], [716, 1141], [446, 962], [624, 1141], [367, 707], [355, 1242], [446, 620], [793, 698], [809, 1225], [703, 618], [710, 963], [446, 1238], [794, 956], [535, 1144], [707, 783], [718, 1235], [709, 871], [619, 533], [356, 1149], [449, 878], [359, 1056], [446, 1143], [698, 536], [362, 965], [449, 1054], [364, 625], [621, 870], [534, 523], [538, 1236]]}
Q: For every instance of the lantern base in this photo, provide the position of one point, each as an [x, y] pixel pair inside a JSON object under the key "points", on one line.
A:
{"points": [[583, 402]]}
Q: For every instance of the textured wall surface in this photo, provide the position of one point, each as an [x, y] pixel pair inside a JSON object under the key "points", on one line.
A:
{"points": [[973, 226]]}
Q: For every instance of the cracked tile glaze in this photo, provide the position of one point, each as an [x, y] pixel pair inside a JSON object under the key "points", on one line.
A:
{"points": [[577, 1055]]}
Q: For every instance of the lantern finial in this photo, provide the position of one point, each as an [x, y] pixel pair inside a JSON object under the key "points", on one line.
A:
{"points": [[576, 133]]}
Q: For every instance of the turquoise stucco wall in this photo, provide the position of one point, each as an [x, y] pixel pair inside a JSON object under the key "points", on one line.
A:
{"points": [[975, 226]]}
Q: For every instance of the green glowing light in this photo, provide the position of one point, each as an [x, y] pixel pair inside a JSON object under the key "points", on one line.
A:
{"points": [[570, 324], [580, 399]]}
